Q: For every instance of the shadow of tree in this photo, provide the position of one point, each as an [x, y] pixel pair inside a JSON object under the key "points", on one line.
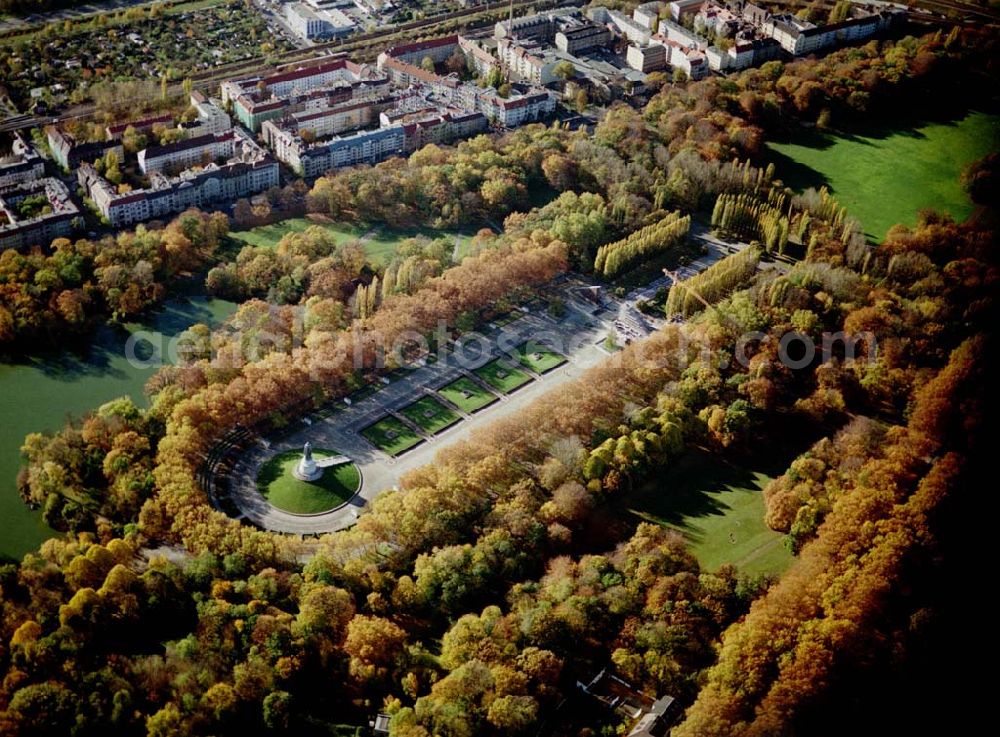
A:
{"points": [[795, 174], [97, 355], [690, 490]]}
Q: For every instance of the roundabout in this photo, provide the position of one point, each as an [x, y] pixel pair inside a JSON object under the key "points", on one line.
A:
{"points": [[327, 483], [266, 489]]}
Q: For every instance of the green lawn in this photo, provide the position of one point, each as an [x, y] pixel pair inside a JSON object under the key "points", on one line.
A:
{"points": [[502, 377], [391, 436], [269, 235], [719, 508], [430, 415], [884, 175], [538, 358], [380, 246], [336, 486], [467, 395]]}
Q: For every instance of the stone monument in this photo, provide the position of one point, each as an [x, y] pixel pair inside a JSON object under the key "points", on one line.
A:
{"points": [[306, 469]]}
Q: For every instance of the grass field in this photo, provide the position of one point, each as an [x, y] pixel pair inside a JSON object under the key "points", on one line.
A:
{"points": [[467, 395], [391, 436], [430, 415], [380, 245], [277, 484], [885, 175], [538, 358], [269, 235], [502, 377], [719, 508]]}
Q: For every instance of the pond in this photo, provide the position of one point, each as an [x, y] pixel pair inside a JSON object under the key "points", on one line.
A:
{"points": [[40, 392], [885, 174]]}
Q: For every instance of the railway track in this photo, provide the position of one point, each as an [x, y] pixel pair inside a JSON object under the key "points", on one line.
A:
{"points": [[969, 10], [366, 46], [363, 47]]}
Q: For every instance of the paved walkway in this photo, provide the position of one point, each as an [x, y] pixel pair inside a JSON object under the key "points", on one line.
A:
{"points": [[632, 323], [331, 462], [576, 336]]}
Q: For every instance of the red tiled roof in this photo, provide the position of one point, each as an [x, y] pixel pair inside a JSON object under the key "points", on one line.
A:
{"points": [[418, 73], [140, 124], [431, 43], [156, 152], [306, 72], [128, 199], [260, 107], [520, 101], [333, 111]]}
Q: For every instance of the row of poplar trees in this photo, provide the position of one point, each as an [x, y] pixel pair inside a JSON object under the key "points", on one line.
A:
{"points": [[750, 216], [713, 284], [614, 258]]}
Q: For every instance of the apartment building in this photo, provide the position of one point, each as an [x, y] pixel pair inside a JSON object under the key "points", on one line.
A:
{"points": [[743, 54], [59, 217], [417, 114], [680, 8], [363, 147], [690, 60], [21, 163], [799, 37], [440, 128], [185, 154], [633, 31], [477, 57], [288, 81], [648, 15], [404, 74], [212, 118], [537, 27], [69, 153], [647, 59], [250, 170], [437, 50], [680, 35], [582, 35], [257, 99], [333, 121], [717, 20], [425, 108], [516, 111], [528, 61]]}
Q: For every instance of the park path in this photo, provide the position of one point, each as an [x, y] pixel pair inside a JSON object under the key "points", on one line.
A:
{"points": [[759, 550]]}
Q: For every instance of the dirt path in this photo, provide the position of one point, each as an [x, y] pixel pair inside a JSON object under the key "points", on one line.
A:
{"points": [[759, 550]]}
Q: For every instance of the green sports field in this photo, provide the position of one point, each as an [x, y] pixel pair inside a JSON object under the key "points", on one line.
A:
{"points": [[538, 358], [502, 377], [467, 395], [391, 436], [430, 415], [885, 175], [277, 484], [719, 508]]}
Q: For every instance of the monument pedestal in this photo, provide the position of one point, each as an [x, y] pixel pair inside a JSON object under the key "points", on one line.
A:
{"points": [[306, 469]]}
